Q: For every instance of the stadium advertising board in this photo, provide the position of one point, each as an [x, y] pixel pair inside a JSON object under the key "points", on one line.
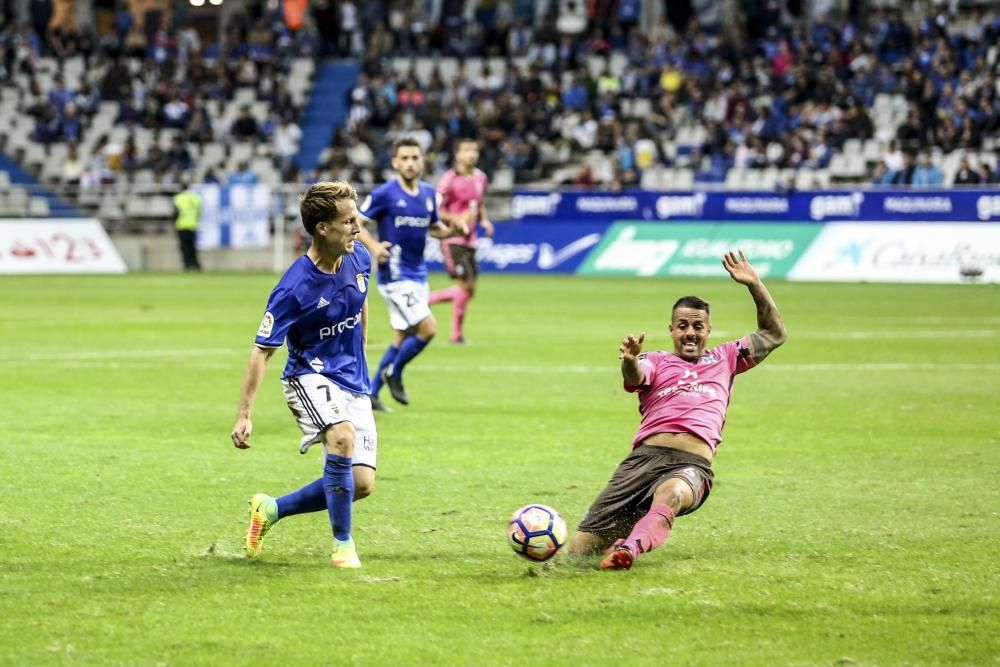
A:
{"points": [[57, 245], [695, 250], [234, 216], [529, 247], [890, 252], [818, 206]]}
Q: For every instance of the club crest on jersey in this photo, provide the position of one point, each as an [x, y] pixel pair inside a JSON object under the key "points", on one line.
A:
{"points": [[361, 283], [266, 325], [708, 358]]}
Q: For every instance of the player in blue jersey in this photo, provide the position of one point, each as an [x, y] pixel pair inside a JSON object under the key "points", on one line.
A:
{"points": [[320, 308], [405, 211]]}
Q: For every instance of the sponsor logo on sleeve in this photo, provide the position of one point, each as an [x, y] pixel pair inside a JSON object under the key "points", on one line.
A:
{"points": [[362, 285], [266, 325]]}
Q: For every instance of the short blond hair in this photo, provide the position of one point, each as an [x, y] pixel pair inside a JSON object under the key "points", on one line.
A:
{"points": [[319, 203]]}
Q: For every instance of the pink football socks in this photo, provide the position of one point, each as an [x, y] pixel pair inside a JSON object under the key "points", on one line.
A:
{"points": [[651, 530]]}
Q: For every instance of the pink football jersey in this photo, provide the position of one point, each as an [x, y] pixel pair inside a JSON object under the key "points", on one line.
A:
{"points": [[679, 396], [460, 194]]}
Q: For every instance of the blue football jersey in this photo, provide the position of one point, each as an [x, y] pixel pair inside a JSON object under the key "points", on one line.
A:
{"points": [[402, 220], [319, 316]]}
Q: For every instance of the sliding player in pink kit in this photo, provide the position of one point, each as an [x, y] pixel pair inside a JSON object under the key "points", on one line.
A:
{"points": [[683, 398], [462, 191]]}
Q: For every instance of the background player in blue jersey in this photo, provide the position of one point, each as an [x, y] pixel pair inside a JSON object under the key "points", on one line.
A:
{"points": [[405, 210], [320, 308]]}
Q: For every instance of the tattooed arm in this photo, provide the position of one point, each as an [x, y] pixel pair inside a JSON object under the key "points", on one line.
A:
{"points": [[770, 332]]}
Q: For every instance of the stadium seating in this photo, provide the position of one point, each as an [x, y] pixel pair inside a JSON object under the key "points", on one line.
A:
{"points": [[661, 90]]}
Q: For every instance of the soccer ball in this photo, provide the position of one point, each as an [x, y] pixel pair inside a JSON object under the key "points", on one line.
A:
{"points": [[536, 532]]}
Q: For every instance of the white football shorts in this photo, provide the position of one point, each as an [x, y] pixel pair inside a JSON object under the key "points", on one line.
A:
{"points": [[317, 404], [407, 301]]}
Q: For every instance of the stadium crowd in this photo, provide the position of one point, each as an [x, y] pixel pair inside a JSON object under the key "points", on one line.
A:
{"points": [[163, 80], [771, 91], [765, 93]]}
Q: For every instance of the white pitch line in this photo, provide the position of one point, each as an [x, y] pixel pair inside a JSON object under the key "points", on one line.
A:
{"points": [[115, 365], [835, 334], [117, 354], [549, 369], [889, 366]]}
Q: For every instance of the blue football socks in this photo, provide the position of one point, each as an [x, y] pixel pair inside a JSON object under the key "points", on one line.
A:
{"points": [[411, 347], [310, 498], [338, 485], [387, 359]]}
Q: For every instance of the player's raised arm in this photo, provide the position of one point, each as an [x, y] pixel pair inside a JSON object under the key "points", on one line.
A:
{"points": [[252, 378], [770, 333], [629, 352]]}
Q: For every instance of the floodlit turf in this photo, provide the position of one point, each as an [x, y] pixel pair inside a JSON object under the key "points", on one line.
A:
{"points": [[856, 517]]}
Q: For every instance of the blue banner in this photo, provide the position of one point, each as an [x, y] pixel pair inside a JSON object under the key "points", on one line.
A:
{"points": [[816, 206], [530, 247], [234, 216]]}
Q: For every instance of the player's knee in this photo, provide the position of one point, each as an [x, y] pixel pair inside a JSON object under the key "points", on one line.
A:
{"points": [[363, 488], [428, 328], [340, 439], [673, 493]]}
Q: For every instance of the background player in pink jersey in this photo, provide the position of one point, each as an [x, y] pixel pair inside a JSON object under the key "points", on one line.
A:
{"points": [[683, 398], [462, 191]]}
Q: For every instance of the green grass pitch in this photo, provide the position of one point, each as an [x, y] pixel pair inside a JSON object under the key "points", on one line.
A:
{"points": [[856, 519]]}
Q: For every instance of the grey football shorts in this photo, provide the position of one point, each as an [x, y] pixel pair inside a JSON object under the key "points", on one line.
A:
{"points": [[629, 494]]}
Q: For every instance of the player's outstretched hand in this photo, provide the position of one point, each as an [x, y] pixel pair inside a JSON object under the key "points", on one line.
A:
{"points": [[631, 347], [487, 227], [241, 433], [739, 268]]}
